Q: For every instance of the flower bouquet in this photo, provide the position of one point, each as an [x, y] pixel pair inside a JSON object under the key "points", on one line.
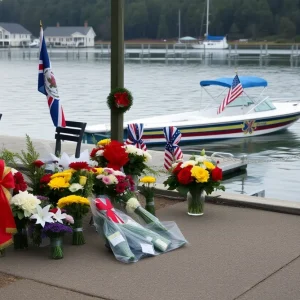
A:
{"points": [[136, 163], [23, 206], [97, 153], [111, 182], [53, 224], [78, 180], [77, 207], [194, 177], [148, 192]]}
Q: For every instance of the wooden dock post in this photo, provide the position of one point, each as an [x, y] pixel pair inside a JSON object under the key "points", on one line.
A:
{"points": [[117, 64]]}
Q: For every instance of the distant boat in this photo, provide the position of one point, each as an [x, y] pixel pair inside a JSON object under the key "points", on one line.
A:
{"points": [[210, 41], [35, 43]]}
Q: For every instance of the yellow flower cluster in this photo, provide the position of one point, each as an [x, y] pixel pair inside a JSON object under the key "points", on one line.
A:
{"points": [[58, 183], [210, 166], [104, 142], [66, 175], [62, 202], [200, 174], [98, 171], [148, 179]]}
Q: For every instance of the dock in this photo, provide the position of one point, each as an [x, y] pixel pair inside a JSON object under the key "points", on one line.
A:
{"points": [[162, 53]]}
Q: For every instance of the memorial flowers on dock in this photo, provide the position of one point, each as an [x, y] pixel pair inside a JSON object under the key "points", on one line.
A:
{"points": [[77, 207], [78, 180], [53, 224], [194, 177]]}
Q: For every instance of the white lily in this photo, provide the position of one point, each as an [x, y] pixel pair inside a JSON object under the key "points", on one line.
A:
{"points": [[58, 216], [43, 215]]}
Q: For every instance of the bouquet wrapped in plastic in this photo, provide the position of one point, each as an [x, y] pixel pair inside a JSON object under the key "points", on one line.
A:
{"points": [[129, 240]]}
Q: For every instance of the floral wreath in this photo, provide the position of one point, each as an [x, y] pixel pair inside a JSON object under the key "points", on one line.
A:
{"points": [[120, 99]]}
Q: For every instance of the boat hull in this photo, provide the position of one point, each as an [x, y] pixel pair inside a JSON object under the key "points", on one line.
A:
{"points": [[213, 131]]}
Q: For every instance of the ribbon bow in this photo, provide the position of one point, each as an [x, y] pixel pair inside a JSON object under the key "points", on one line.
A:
{"points": [[7, 222], [121, 99], [105, 206], [172, 150], [134, 136]]}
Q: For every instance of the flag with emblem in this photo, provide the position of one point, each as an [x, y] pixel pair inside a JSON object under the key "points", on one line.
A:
{"points": [[47, 85], [172, 150], [235, 91]]}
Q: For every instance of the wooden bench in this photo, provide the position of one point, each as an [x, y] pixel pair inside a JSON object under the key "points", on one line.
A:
{"points": [[72, 132]]}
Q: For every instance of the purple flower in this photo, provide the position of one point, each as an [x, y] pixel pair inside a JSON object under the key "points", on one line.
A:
{"points": [[56, 228], [42, 198]]}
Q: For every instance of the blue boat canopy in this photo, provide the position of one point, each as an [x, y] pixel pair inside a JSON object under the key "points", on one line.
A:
{"points": [[214, 38], [246, 81]]}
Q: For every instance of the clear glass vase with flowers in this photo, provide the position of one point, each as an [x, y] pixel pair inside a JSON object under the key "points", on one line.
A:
{"points": [[194, 178]]}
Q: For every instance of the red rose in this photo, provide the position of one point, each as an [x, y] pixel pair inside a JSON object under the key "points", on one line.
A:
{"points": [[93, 152], [38, 163], [177, 169], [116, 155], [79, 165], [216, 174], [46, 178], [185, 176]]}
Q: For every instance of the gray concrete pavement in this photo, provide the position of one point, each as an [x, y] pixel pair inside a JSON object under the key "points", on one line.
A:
{"points": [[29, 289], [232, 253]]}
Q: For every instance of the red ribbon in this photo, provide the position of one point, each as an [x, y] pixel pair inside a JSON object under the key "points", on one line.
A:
{"points": [[7, 221], [104, 205], [121, 99]]}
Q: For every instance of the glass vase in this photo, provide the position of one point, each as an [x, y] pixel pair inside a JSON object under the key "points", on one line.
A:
{"points": [[195, 199], [150, 205], [135, 179], [78, 237], [21, 236], [56, 247]]}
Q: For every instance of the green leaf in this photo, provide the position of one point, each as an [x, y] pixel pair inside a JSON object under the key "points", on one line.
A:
{"points": [[182, 190]]}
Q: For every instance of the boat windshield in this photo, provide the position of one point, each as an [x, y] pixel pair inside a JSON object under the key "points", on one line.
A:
{"points": [[266, 105], [241, 101]]}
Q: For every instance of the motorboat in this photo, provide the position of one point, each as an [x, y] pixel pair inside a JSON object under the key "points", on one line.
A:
{"points": [[35, 43], [246, 116]]}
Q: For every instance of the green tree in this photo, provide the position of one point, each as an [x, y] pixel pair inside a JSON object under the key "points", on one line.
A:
{"points": [[287, 28]]}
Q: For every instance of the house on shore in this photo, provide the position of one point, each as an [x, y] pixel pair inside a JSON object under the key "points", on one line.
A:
{"points": [[70, 36], [14, 35]]}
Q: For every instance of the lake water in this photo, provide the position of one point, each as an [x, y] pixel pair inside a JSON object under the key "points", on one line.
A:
{"points": [[158, 88]]}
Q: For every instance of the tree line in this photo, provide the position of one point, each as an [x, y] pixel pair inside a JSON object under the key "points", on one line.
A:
{"points": [[158, 19]]}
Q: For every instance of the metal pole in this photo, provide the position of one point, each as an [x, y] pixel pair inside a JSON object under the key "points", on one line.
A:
{"points": [[117, 63]]}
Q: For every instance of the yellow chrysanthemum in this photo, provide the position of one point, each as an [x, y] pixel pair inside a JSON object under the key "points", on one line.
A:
{"points": [[210, 166], [200, 174], [66, 175], [98, 171], [148, 179], [62, 202], [104, 142], [69, 171], [58, 183]]}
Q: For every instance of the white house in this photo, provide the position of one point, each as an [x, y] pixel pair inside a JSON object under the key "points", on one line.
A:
{"points": [[14, 35], [71, 36]]}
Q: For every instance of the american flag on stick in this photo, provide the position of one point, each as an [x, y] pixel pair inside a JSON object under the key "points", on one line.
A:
{"points": [[235, 91]]}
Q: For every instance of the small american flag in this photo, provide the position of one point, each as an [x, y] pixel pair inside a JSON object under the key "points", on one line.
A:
{"points": [[172, 150], [47, 85], [235, 91], [135, 133]]}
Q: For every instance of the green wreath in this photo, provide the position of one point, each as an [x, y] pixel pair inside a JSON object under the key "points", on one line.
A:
{"points": [[120, 99]]}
